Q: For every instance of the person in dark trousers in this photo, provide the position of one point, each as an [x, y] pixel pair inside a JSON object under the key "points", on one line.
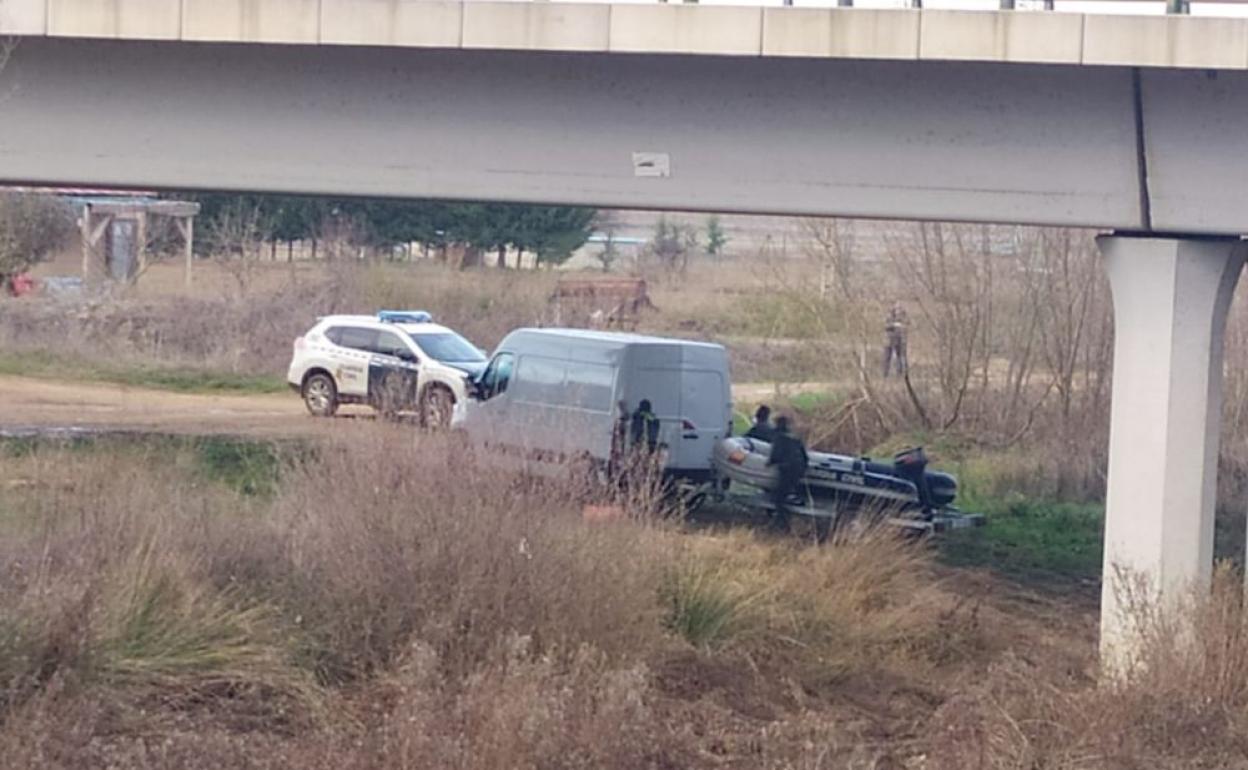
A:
{"points": [[644, 427], [896, 325], [762, 429], [619, 440], [788, 455]]}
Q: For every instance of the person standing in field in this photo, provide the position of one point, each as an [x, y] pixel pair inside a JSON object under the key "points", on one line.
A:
{"points": [[788, 456], [761, 429], [644, 428], [896, 326]]}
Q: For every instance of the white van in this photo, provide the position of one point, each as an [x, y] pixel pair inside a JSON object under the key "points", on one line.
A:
{"points": [[553, 396]]}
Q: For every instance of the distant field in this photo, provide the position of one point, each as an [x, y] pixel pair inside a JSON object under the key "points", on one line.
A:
{"points": [[48, 365]]}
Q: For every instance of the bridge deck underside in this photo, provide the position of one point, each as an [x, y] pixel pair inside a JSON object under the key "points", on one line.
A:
{"points": [[1160, 150]]}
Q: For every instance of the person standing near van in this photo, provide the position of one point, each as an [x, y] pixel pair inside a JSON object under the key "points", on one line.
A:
{"points": [[895, 328], [644, 428], [762, 429], [788, 455], [619, 438]]}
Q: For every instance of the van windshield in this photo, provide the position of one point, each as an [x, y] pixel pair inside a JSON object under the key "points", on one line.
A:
{"points": [[447, 347]]}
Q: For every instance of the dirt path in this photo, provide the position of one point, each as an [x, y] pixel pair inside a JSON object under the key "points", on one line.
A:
{"points": [[30, 404]]}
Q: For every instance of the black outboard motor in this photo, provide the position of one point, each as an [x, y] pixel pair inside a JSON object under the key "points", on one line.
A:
{"points": [[911, 465]]}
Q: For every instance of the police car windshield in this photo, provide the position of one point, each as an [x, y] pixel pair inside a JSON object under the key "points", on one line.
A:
{"points": [[447, 347]]}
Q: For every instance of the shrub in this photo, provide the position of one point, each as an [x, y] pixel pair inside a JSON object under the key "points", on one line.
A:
{"points": [[389, 606], [31, 228], [1183, 704]]}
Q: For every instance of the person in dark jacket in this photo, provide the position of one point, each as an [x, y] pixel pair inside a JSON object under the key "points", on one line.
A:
{"points": [[788, 455], [644, 427], [896, 325], [762, 429], [619, 439]]}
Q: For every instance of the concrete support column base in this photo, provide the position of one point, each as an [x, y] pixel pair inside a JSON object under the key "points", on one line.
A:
{"points": [[1171, 298]]}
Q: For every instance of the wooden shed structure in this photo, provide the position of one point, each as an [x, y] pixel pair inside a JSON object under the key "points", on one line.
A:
{"points": [[115, 232]]}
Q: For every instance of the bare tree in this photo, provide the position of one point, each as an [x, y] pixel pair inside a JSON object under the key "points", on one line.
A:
{"points": [[237, 236], [671, 244], [831, 244], [1070, 286], [949, 276], [608, 224]]}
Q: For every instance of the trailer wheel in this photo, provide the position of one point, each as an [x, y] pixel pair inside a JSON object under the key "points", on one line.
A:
{"points": [[695, 501], [823, 527]]}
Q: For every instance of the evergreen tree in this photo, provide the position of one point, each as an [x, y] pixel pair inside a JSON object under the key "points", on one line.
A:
{"points": [[553, 233], [716, 238]]}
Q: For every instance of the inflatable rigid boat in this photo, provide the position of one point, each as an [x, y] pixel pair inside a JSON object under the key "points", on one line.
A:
{"points": [[844, 481]]}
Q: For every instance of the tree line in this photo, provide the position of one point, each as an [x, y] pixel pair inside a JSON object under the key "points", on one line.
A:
{"points": [[551, 233]]}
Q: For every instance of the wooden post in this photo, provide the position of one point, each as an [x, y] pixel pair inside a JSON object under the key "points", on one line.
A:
{"points": [[85, 223], [187, 226], [141, 241]]}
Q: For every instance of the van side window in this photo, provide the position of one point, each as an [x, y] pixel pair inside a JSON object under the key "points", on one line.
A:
{"points": [[334, 334], [498, 376], [540, 380], [358, 338], [590, 386]]}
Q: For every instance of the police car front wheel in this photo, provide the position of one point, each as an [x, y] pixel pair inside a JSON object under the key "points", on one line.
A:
{"points": [[320, 395]]}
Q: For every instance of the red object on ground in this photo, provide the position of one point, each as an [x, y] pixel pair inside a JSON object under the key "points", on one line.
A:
{"points": [[22, 284]]}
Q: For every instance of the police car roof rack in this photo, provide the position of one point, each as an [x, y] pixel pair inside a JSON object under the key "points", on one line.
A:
{"points": [[404, 316]]}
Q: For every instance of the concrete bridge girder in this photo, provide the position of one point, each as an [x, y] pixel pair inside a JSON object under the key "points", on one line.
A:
{"points": [[1014, 143]]}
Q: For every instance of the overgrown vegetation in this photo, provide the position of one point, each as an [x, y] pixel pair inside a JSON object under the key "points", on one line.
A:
{"points": [[31, 228], [218, 603], [375, 611], [374, 601]]}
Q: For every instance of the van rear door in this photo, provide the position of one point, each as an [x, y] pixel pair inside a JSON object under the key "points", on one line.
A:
{"points": [[691, 405], [702, 408]]}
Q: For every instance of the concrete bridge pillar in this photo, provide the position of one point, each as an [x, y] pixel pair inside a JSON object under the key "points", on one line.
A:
{"points": [[1171, 298]]}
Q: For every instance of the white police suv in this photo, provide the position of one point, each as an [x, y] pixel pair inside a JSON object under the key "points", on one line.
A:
{"points": [[395, 361]]}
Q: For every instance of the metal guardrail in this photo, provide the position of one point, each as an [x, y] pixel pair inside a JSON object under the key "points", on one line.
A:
{"points": [[1176, 7]]}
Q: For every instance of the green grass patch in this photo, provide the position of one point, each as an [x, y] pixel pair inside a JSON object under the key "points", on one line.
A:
{"points": [[247, 467], [814, 402], [807, 406], [46, 365], [1032, 539], [708, 605], [775, 315]]}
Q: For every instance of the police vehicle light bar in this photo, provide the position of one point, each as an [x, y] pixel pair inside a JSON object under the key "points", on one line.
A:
{"points": [[404, 316]]}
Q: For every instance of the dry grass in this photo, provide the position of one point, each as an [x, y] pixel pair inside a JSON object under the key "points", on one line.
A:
{"points": [[1183, 704], [248, 335], [212, 328], [387, 608], [869, 603]]}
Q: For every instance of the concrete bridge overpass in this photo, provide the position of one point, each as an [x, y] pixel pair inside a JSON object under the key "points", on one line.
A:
{"points": [[1134, 125]]}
